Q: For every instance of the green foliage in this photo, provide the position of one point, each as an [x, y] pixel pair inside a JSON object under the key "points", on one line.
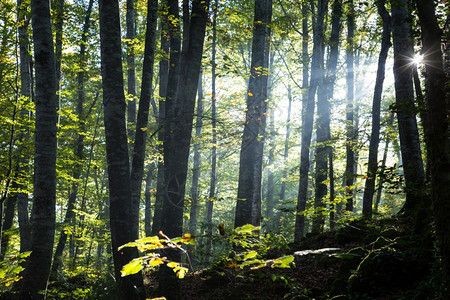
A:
{"points": [[154, 259], [10, 269]]}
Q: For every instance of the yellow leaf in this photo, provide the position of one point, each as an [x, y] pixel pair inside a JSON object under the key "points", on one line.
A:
{"points": [[250, 94], [155, 261], [132, 267], [172, 264]]}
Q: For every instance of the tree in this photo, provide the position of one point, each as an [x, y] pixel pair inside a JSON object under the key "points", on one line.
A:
{"points": [[308, 115], [117, 150], [180, 106], [438, 137], [43, 214], [131, 70], [25, 91], [350, 128], [248, 206], [404, 99], [137, 166], [324, 94], [197, 160], [376, 110]]}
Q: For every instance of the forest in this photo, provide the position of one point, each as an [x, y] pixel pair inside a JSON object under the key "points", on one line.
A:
{"points": [[225, 149]]}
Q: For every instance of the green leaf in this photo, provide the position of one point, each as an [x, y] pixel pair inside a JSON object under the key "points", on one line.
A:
{"points": [[248, 228], [132, 267], [250, 254], [130, 244], [283, 262]]}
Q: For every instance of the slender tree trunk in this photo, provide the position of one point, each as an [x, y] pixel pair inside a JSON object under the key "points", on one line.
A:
{"points": [[308, 112], [148, 201], [376, 110], [43, 215], [59, 24], [332, 191], [383, 165], [270, 202], [248, 206], [137, 166], [325, 93], [163, 82], [212, 182], [177, 144], [8, 219], [131, 71], [286, 148], [57, 258], [422, 108], [25, 91], [404, 97], [350, 142], [121, 212], [197, 160], [439, 142]]}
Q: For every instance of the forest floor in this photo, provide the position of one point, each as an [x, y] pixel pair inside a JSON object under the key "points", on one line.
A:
{"points": [[381, 259]]}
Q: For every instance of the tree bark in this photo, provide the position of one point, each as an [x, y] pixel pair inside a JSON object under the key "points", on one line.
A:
{"points": [[325, 93], [137, 166], [8, 219], [131, 71], [43, 215], [163, 82], [130, 287], [376, 110], [308, 111], [197, 160], [350, 142], [148, 201], [25, 91], [212, 181], [286, 148], [439, 141], [404, 98], [177, 144], [248, 206]]}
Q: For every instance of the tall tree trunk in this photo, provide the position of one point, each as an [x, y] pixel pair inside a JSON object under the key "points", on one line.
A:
{"points": [[439, 142], [383, 165], [177, 144], [325, 93], [286, 148], [248, 206], [308, 110], [212, 181], [43, 215], [404, 97], [148, 201], [422, 108], [131, 71], [270, 201], [163, 82], [130, 287], [197, 160], [8, 219], [59, 23], [350, 142], [376, 110], [137, 166], [25, 91], [57, 258]]}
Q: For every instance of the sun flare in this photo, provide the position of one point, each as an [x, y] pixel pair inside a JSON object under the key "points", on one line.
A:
{"points": [[418, 59]]}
